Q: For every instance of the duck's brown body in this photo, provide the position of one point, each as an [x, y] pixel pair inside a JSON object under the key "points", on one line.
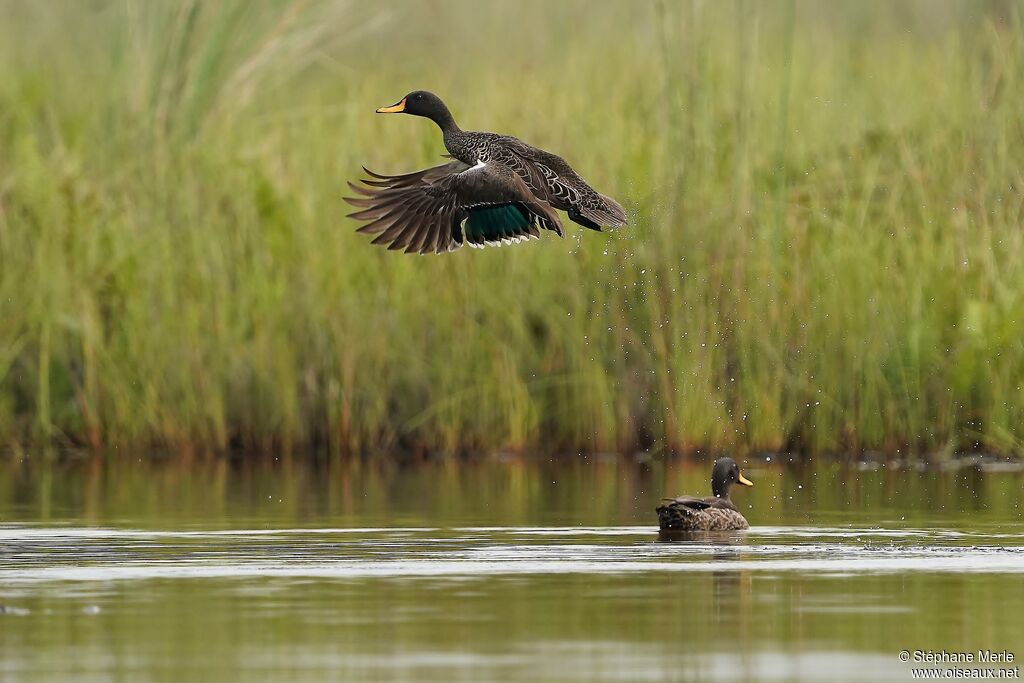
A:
{"points": [[548, 176], [714, 513], [684, 516]]}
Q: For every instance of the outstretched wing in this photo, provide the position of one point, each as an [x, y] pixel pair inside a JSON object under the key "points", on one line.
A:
{"points": [[441, 208]]}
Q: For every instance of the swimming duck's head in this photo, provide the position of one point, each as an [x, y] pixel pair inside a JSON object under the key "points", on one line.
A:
{"points": [[724, 474]]}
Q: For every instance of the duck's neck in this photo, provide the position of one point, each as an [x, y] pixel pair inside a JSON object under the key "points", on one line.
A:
{"points": [[720, 489], [446, 122]]}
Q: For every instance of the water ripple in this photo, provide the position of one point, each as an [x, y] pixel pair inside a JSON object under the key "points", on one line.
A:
{"points": [[39, 554]]}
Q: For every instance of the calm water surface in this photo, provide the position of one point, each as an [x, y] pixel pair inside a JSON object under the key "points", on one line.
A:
{"points": [[496, 569]]}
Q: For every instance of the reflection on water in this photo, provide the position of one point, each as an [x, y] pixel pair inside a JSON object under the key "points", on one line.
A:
{"points": [[498, 569]]}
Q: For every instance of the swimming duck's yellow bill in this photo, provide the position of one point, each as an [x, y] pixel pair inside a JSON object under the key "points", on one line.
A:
{"points": [[393, 109], [745, 481]]}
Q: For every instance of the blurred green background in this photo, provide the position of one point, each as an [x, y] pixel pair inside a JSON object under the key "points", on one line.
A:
{"points": [[824, 250]]}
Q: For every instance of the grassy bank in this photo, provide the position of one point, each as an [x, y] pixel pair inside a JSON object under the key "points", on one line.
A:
{"points": [[825, 249]]}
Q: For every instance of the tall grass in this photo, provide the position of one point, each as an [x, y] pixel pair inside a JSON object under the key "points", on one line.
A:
{"points": [[825, 249]]}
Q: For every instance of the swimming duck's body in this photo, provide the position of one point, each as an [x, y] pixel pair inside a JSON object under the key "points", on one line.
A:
{"points": [[699, 514], [497, 190], [714, 513]]}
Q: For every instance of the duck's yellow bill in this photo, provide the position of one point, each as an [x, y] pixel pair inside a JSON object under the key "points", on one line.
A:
{"points": [[393, 109], [745, 481]]}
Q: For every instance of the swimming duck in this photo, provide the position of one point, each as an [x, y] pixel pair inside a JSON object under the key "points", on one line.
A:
{"points": [[717, 513], [496, 190]]}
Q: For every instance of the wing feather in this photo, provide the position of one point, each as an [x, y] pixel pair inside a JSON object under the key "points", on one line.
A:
{"points": [[424, 211]]}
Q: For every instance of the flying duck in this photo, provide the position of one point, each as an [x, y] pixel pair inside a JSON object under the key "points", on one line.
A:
{"points": [[716, 513], [496, 190]]}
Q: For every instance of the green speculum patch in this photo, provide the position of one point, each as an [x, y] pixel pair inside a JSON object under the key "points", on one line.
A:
{"points": [[494, 224]]}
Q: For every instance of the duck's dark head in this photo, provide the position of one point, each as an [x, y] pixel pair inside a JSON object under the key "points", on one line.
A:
{"points": [[724, 474], [422, 103]]}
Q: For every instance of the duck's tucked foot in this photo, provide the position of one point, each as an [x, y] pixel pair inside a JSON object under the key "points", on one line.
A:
{"points": [[577, 217]]}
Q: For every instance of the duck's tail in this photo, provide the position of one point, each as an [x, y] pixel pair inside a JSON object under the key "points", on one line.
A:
{"points": [[676, 518], [598, 211]]}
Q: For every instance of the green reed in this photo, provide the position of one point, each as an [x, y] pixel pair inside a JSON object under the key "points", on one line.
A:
{"points": [[824, 250]]}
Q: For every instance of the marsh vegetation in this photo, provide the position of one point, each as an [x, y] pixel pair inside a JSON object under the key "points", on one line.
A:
{"points": [[825, 249]]}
